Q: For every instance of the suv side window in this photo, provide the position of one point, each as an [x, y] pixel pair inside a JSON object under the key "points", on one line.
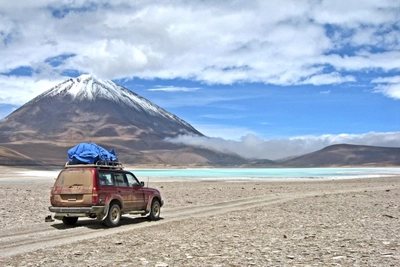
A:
{"points": [[120, 179], [105, 178], [132, 180]]}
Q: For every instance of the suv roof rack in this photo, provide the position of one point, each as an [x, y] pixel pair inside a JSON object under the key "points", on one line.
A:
{"points": [[98, 164]]}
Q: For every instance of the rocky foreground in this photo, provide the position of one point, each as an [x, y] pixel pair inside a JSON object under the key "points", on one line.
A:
{"points": [[305, 223]]}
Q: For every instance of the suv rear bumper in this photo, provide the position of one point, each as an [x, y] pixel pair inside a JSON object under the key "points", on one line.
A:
{"points": [[78, 211]]}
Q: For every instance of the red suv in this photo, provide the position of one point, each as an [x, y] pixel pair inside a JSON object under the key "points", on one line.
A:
{"points": [[103, 193]]}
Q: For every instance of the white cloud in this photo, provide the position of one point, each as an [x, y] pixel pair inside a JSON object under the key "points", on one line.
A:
{"points": [[174, 89], [250, 146], [389, 86], [329, 78], [216, 130], [274, 42], [392, 80], [355, 12], [32, 86], [365, 60], [113, 59], [390, 90]]}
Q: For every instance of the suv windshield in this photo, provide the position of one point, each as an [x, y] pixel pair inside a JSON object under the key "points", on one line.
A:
{"points": [[132, 180]]}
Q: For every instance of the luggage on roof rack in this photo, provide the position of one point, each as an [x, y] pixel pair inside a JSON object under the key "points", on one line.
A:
{"points": [[90, 153]]}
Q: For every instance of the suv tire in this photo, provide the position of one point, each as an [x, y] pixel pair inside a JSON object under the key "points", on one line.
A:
{"points": [[70, 220], [114, 216], [155, 210]]}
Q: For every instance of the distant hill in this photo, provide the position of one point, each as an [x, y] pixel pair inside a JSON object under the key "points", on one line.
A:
{"points": [[347, 155], [9, 157]]}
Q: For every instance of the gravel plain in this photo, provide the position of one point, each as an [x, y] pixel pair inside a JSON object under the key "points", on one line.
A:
{"points": [[353, 222]]}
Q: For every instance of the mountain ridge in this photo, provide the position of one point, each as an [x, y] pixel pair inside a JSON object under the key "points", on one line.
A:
{"points": [[347, 155]]}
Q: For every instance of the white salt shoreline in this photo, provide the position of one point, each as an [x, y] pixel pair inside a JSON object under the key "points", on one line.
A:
{"points": [[34, 176]]}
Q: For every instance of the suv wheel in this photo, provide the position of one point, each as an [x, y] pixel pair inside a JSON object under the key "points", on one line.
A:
{"points": [[70, 220], [155, 210], [114, 216]]}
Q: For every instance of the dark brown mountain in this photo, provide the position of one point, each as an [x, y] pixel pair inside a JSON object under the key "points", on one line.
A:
{"points": [[347, 155]]}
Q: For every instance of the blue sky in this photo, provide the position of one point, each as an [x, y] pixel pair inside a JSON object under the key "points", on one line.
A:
{"points": [[261, 78]]}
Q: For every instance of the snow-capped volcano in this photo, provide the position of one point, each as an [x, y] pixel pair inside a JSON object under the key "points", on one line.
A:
{"points": [[85, 108], [87, 87]]}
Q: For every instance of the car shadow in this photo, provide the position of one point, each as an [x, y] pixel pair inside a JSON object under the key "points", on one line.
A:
{"points": [[95, 225]]}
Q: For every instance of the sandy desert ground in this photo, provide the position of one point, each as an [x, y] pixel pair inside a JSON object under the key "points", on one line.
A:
{"points": [[352, 222]]}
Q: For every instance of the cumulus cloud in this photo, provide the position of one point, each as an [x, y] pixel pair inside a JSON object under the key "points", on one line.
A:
{"points": [[389, 86], [290, 43], [253, 147], [390, 90]]}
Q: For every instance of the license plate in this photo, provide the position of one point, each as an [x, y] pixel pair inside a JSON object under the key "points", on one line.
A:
{"points": [[71, 198]]}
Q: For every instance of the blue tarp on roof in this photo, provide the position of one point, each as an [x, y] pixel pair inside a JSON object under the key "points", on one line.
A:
{"points": [[90, 153]]}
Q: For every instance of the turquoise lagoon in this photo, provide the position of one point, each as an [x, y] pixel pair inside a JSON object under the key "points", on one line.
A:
{"points": [[267, 173]]}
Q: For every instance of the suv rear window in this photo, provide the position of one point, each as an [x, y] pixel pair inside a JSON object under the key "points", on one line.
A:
{"points": [[72, 177]]}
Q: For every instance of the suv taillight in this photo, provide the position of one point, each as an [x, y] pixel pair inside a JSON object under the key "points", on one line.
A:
{"points": [[95, 196]]}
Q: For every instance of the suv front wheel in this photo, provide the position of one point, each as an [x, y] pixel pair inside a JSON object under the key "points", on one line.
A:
{"points": [[114, 216]]}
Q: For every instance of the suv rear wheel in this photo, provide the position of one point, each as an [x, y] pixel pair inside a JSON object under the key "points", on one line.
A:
{"points": [[70, 220], [114, 216], [155, 210]]}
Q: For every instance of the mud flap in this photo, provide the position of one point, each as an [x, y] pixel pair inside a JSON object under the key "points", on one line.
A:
{"points": [[102, 216]]}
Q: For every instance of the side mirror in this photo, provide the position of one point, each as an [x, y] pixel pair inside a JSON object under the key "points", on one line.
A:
{"points": [[142, 183]]}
